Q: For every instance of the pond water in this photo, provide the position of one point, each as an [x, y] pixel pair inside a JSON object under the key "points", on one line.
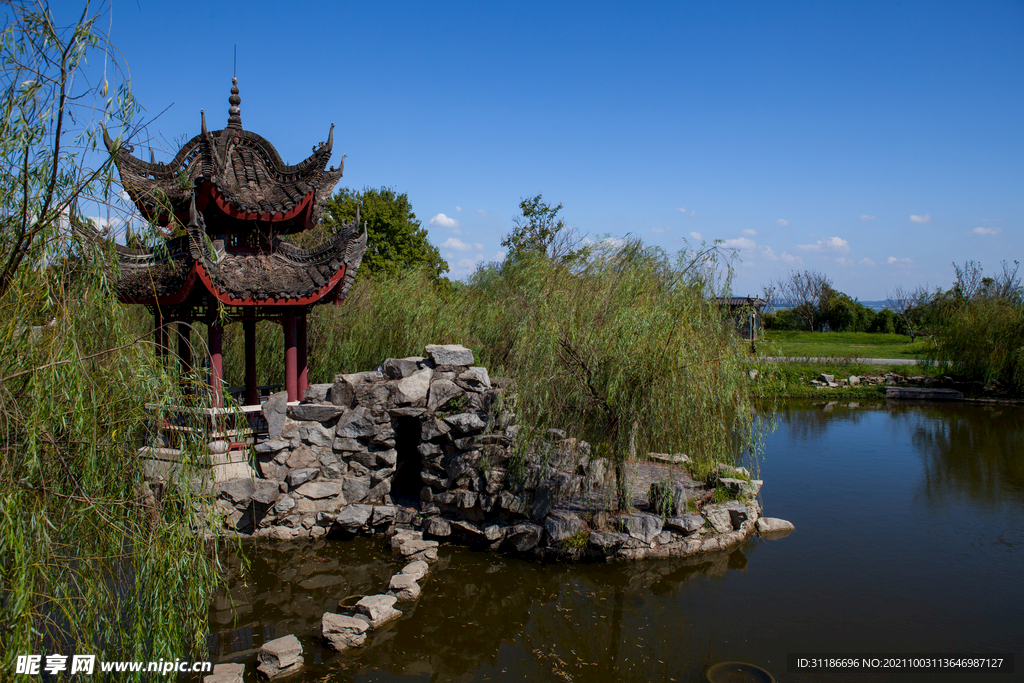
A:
{"points": [[909, 538]]}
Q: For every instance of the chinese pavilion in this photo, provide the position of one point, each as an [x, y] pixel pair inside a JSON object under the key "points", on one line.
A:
{"points": [[235, 197]]}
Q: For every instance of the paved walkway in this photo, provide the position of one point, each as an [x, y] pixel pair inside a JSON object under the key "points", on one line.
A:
{"points": [[867, 361]]}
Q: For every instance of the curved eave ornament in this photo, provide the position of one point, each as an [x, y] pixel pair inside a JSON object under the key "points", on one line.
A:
{"points": [[261, 187]]}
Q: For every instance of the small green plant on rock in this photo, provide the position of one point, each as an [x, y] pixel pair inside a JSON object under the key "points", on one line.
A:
{"points": [[577, 543], [722, 495], [663, 498]]}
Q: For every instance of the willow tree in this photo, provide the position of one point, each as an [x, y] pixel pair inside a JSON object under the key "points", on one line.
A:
{"points": [[623, 349], [90, 561]]}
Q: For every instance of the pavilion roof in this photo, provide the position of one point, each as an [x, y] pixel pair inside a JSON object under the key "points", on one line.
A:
{"points": [[171, 272], [239, 170]]}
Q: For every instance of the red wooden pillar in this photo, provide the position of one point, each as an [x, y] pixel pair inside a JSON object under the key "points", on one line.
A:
{"points": [[302, 356], [252, 393], [216, 342], [291, 375]]}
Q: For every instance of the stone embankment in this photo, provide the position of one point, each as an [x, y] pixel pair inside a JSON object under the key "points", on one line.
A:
{"points": [[889, 379], [429, 445]]}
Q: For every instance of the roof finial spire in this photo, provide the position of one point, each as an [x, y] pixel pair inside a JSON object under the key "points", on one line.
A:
{"points": [[234, 113]]}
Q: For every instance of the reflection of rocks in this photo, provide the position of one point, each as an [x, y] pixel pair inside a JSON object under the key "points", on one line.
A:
{"points": [[440, 634], [295, 582]]}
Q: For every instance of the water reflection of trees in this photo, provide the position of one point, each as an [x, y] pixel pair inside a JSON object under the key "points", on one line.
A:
{"points": [[806, 419], [582, 620], [969, 451]]}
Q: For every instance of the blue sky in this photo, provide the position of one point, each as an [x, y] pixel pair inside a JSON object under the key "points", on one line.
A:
{"points": [[877, 142]]}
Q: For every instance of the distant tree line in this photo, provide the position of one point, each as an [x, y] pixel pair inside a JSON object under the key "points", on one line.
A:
{"points": [[807, 301], [977, 324]]}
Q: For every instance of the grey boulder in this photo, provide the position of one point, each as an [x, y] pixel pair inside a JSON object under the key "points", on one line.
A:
{"points": [[378, 609], [450, 354], [280, 657], [341, 632]]}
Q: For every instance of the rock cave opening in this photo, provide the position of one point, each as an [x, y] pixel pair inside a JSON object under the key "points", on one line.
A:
{"points": [[407, 483]]}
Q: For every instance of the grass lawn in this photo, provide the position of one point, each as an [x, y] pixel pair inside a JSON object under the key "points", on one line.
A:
{"points": [[841, 345]]}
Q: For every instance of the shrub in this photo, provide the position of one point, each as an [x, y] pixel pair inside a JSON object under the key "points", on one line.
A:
{"points": [[981, 325]]}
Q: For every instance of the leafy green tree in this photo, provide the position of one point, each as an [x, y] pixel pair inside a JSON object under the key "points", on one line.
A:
{"points": [[841, 313], [538, 230], [396, 240]]}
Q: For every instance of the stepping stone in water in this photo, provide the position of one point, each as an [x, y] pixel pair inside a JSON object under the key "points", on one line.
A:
{"points": [[404, 587], [341, 632], [226, 673], [280, 657], [377, 610], [417, 570]]}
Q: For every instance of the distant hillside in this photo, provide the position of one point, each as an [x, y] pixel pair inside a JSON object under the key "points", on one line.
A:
{"points": [[873, 305]]}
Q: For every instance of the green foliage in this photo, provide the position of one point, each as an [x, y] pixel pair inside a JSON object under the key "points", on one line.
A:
{"points": [[540, 232], [981, 325], [887, 322], [576, 543], [839, 312], [90, 561], [663, 498], [396, 241], [623, 349], [722, 495], [831, 311]]}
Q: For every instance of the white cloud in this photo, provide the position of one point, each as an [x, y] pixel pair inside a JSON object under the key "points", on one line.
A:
{"points": [[782, 222], [499, 257], [458, 245], [458, 208], [697, 236], [843, 261], [750, 233], [789, 258], [444, 221], [481, 212], [926, 218], [613, 242], [985, 231], [681, 208], [892, 260], [867, 217], [456, 231], [660, 230], [769, 253], [867, 262], [829, 244], [739, 243]]}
